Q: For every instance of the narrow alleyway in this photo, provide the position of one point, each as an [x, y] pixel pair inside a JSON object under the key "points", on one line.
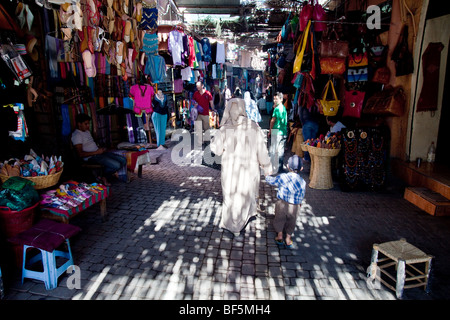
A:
{"points": [[162, 241]]}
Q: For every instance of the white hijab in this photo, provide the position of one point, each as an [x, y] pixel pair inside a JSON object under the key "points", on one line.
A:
{"points": [[234, 113]]}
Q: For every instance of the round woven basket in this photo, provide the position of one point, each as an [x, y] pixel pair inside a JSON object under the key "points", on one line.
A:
{"points": [[323, 151], [40, 182], [320, 176], [304, 147]]}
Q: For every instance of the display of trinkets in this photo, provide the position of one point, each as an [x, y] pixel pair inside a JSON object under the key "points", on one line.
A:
{"points": [[328, 141], [31, 165], [70, 194], [364, 158]]}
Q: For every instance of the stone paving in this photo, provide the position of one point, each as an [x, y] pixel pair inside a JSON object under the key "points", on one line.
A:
{"points": [[162, 242]]}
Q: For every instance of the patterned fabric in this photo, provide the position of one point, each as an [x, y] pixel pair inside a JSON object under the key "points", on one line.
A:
{"points": [[291, 187], [149, 19], [150, 46]]}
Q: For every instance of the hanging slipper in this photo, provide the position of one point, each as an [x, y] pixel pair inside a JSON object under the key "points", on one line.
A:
{"points": [[125, 6], [130, 60], [138, 11], [119, 52], [77, 17], [100, 37], [143, 58], [118, 25], [67, 33], [117, 8], [112, 53], [91, 38], [84, 39], [93, 12], [127, 31], [89, 64]]}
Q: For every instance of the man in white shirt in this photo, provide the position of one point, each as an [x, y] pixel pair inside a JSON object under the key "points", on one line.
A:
{"points": [[88, 150], [335, 124]]}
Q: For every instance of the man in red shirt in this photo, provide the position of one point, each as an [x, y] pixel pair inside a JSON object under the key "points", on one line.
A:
{"points": [[205, 101]]}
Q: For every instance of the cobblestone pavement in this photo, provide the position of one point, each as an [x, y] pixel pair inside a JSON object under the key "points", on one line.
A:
{"points": [[162, 241]]}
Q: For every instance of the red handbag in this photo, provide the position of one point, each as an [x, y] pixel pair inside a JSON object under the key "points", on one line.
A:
{"points": [[305, 15], [319, 14], [353, 103]]}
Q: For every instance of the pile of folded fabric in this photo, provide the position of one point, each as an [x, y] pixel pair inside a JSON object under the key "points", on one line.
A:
{"points": [[70, 194], [31, 165]]}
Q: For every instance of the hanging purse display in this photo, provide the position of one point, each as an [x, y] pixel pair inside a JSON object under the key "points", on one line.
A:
{"points": [[389, 102], [353, 103], [301, 49], [319, 14], [305, 15], [358, 74], [404, 62], [378, 54], [330, 107], [358, 60], [382, 75], [333, 47], [308, 56], [332, 65]]}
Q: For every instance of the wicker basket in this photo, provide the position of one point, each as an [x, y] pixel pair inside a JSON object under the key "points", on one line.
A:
{"points": [[320, 176], [304, 146], [40, 182], [323, 151]]}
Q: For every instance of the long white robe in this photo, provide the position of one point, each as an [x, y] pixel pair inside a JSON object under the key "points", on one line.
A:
{"points": [[242, 145]]}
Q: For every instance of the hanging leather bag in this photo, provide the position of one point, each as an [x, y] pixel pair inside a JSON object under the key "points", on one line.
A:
{"points": [[330, 107], [382, 75], [301, 49], [389, 102], [404, 62], [353, 103], [306, 15], [332, 65], [333, 47], [319, 14]]}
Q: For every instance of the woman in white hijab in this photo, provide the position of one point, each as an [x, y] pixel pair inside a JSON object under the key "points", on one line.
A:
{"points": [[251, 108], [242, 145]]}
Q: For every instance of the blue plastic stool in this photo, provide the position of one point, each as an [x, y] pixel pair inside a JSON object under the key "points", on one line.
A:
{"points": [[46, 236], [51, 272]]}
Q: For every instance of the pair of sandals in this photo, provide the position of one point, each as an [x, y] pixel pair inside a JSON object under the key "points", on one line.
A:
{"points": [[282, 243]]}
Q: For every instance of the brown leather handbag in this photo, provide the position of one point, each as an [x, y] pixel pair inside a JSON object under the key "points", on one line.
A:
{"points": [[389, 102], [382, 75], [333, 47]]}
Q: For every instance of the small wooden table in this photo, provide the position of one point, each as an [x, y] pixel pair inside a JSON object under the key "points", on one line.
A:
{"points": [[65, 215], [135, 159]]}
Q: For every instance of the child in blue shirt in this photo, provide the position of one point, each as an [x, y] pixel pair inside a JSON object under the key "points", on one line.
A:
{"points": [[291, 191]]}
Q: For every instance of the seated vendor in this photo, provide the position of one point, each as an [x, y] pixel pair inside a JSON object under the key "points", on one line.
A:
{"points": [[88, 150]]}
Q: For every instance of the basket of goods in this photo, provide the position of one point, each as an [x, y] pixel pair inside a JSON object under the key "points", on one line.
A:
{"points": [[43, 171], [322, 150], [328, 145]]}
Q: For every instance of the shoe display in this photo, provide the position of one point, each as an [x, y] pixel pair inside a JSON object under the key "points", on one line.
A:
{"points": [[70, 195]]}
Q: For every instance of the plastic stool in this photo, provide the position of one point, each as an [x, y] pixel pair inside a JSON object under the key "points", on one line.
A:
{"points": [[46, 236], [403, 256]]}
